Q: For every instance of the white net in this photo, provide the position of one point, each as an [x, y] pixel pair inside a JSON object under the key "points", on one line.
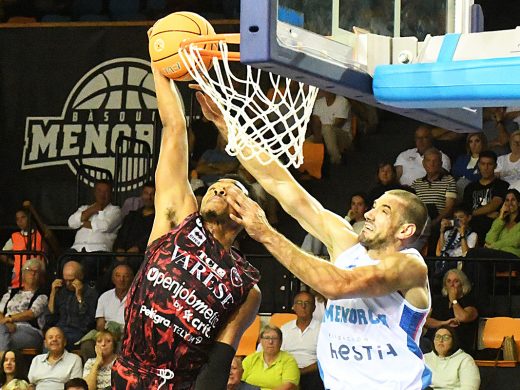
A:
{"points": [[264, 112]]}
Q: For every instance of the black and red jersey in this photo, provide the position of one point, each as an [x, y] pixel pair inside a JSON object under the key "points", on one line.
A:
{"points": [[183, 294]]}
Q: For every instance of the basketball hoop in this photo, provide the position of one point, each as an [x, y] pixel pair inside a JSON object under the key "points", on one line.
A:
{"points": [[257, 121]]}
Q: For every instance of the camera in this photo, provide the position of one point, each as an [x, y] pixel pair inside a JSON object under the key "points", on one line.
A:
{"points": [[454, 223]]}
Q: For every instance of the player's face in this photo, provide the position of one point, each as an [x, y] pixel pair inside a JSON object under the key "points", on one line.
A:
{"points": [[214, 206], [381, 222]]}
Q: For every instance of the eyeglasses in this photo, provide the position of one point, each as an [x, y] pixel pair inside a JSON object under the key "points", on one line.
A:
{"points": [[443, 337], [303, 303], [270, 338]]}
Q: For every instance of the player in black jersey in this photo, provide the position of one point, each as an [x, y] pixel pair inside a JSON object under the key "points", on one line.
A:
{"points": [[194, 295]]}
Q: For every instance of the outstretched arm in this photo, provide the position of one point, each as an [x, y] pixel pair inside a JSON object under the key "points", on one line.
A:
{"points": [[328, 227], [396, 272], [174, 199]]}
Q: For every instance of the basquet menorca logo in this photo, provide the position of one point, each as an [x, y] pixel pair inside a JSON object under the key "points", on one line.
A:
{"points": [[115, 98]]}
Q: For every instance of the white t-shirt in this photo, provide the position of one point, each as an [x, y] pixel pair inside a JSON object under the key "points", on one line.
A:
{"points": [[371, 343], [302, 345], [340, 108], [411, 161], [507, 170]]}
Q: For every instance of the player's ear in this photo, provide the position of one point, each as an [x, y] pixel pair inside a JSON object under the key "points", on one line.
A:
{"points": [[406, 231]]}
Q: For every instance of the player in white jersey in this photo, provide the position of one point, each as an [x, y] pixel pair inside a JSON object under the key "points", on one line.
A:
{"points": [[378, 291]]}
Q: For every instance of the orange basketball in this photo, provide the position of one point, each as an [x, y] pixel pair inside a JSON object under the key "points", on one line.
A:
{"points": [[167, 35]]}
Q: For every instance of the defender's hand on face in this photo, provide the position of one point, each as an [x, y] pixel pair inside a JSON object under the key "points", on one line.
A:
{"points": [[212, 112], [250, 214]]}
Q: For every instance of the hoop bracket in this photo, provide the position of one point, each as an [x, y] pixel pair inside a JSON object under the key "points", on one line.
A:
{"points": [[233, 39]]}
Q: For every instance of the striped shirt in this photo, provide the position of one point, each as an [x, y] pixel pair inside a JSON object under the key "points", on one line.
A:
{"points": [[436, 192]]}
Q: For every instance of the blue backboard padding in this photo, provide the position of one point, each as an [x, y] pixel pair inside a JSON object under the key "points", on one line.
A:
{"points": [[472, 83], [256, 30], [290, 16]]}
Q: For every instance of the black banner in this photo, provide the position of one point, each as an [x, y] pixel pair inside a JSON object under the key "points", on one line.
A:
{"points": [[66, 94]]}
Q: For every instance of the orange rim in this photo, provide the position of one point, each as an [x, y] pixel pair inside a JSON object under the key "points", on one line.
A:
{"points": [[233, 39]]}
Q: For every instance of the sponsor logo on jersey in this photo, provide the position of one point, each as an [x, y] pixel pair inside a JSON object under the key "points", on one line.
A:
{"points": [[197, 236]]}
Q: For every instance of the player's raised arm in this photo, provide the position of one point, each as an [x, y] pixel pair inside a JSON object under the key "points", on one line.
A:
{"points": [[331, 229], [174, 199]]}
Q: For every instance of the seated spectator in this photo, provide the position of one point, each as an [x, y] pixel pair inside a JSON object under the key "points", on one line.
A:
{"points": [[451, 367], [300, 338], [503, 239], [97, 371], [484, 196], [76, 384], [386, 178], [330, 120], [235, 377], [497, 127], [22, 241], [72, 304], [50, 371], [11, 368], [356, 214], [271, 368], [98, 224], [465, 169], [455, 240], [136, 227], [110, 311], [17, 384], [455, 309], [409, 164], [22, 311], [215, 163], [508, 166]]}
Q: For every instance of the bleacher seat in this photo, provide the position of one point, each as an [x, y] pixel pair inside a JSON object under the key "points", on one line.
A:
{"points": [[495, 329], [249, 339], [279, 319]]}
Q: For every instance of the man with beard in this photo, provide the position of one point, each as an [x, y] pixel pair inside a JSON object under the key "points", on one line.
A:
{"points": [[194, 294], [377, 289]]}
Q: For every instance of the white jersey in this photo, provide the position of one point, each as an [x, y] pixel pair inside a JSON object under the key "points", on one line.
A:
{"points": [[371, 343]]}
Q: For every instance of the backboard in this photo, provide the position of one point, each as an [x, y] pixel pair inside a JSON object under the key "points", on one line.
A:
{"points": [[322, 43]]}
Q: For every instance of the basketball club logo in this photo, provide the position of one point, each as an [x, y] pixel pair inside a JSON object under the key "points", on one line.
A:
{"points": [[115, 98]]}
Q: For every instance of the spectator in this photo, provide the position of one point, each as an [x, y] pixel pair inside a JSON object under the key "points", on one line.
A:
{"points": [[456, 235], [50, 371], [451, 367], [98, 224], [136, 228], [17, 384], [215, 163], [76, 384], [456, 309], [72, 308], [386, 178], [110, 311], [300, 338], [97, 371], [330, 119], [497, 127], [409, 164], [508, 166], [356, 214], [235, 377], [484, 196], [22, 241], [465, 170], [11, 368], [271, 368], [22, 311]]}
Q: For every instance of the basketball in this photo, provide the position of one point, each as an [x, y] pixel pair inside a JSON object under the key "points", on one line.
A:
{"points": [[166, 37]]}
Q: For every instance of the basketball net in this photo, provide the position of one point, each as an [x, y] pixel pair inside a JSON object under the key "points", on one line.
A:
{"points": [[260, 125]]}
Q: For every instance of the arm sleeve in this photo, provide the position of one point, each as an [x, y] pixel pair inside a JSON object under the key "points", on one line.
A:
{"points": [[400, 160], [291, 372], [39, 305], [3, 302], [88, 367], [495, 230], [75, 219], [469, 375], [451, 190], [107, 220], [77, 368], [472, 240]]}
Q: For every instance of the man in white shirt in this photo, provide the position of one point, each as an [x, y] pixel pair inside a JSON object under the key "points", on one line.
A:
{"points": [[409, 164], [331, 118], [50, 371], [300, 337], [98, 224]]}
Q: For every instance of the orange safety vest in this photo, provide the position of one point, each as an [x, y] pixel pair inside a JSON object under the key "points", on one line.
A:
{"points": [[21, 243]]}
